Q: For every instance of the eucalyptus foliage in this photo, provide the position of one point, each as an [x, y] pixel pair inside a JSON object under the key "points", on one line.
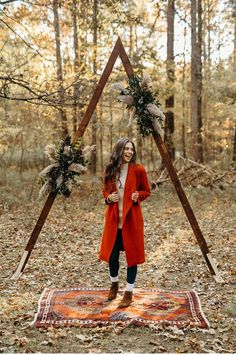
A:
{"points": [[140, 90], [68, 161]]}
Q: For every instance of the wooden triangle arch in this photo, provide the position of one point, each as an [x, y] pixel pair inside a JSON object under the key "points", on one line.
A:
{"points": [[119, 51]]}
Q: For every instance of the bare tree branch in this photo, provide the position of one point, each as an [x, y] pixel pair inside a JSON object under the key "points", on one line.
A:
{"points": [[7, 1], [10, 71], [183, 19], [1, 49], [42, 98], [29, 34], [22, 39], [37, 96]]}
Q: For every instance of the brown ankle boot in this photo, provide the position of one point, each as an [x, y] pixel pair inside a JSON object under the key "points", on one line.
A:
{"points": [[113, 291], [126, 300]]}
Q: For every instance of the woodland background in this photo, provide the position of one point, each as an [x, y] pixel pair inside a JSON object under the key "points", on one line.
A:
{"points": [[52, 54]]}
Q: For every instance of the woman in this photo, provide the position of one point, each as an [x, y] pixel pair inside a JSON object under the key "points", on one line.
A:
{"points": [[125, 186]]}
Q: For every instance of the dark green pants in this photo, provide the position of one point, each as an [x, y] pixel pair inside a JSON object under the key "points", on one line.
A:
{"points": [[114, 260]]}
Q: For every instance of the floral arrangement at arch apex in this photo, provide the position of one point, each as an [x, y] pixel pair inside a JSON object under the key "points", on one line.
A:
{"points": [[142, 103]]}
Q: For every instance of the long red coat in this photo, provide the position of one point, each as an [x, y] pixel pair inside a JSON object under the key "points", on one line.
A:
{"points": [[132, 220]]}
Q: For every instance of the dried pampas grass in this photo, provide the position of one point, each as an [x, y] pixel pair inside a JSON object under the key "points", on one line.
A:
{"points": [[126, 99], [77, 168], [117, 87], [154, 110], [50, 151], [47, 170]]}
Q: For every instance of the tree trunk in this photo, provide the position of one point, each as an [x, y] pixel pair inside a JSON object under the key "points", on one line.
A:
{"points": [[234, 68], [194, 118], [234, 54], [154, 165], [206, 69], [94, 119], [184, 115], [209, 10], [183, 141], [139, 147], [22, 154], [234, 150], [101, 133], [199, 135], [138, 135], [83, 36], [110, 123], [59, 69], [169, 122], [76, 64], [131, 52], [196, 80]]}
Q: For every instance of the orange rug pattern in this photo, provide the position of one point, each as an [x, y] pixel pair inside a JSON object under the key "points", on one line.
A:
{"points": [[90, 307]]}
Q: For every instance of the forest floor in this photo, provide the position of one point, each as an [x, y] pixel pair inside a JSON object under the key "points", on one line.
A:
{"points": [[66, 254]]}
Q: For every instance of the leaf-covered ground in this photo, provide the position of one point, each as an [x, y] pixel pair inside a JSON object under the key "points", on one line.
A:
{"points": [[66, 254]]}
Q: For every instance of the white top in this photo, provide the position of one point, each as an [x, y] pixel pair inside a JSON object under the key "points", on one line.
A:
{"points": [[120, 186]]}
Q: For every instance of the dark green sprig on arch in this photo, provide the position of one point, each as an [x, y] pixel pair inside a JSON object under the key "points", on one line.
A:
{"points": [[69, 160], [140, 99]]}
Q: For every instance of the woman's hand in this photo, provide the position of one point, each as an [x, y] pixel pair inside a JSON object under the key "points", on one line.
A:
{"points": [[113, 197], [134, 196]]}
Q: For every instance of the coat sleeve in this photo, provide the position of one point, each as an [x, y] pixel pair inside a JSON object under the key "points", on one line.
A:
{"points": [[105, 194], [107, 189], [144, 187]]}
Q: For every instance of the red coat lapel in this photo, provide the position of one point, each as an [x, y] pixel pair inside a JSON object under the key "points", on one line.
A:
{"points": [[130, 186]]}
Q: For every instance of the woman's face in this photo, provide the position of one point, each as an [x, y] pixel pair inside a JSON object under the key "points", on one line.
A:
{"points": [[127, 153]]}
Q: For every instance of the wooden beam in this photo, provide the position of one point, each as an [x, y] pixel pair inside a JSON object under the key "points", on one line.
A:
{"points": [[34, 235], [186, 206], [125, 59], [97, 92]]}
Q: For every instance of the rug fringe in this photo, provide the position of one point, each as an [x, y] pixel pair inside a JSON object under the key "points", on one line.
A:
{"points": [[39, 307], [201, 310]]}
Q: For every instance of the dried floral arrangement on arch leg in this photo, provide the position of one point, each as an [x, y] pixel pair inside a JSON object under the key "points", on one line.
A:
{"points": [[149, 118]]}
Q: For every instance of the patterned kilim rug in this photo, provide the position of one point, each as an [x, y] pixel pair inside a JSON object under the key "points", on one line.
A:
{"points": [[90, 307]]}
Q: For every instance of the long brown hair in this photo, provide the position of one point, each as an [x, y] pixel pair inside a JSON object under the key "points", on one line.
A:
{"points": [[115, 162]]}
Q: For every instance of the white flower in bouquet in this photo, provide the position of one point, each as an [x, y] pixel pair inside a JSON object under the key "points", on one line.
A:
{"points": [[59, 181], [157, 127], [126, 99], [78, 168], [47, 170], [50, 151], [146, 80], [154, 110], [45, 189], [69, 185], [117, 87], [67, 150], [88, 150], [131, 117]]}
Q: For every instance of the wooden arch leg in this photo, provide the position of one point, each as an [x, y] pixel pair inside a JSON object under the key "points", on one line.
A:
{"points": [[34, 236], [187, 208]]}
